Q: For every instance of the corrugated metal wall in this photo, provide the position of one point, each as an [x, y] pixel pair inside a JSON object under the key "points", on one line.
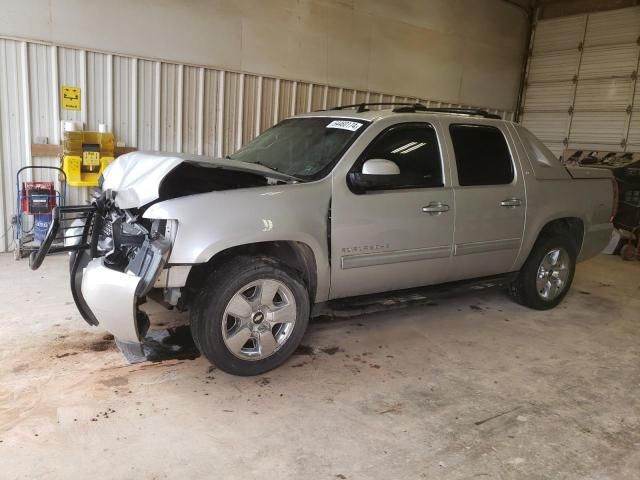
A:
{"points": [[582, 90], [149, 104]]}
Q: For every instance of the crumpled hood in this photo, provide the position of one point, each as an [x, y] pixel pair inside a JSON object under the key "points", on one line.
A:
{"points": [[136, 177]]}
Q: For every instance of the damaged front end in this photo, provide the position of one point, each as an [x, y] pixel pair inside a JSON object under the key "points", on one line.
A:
{"points": [[116, 259], [121, 274]]}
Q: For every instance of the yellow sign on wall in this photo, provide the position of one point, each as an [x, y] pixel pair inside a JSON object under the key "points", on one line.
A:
{"points": [[70, 98]]}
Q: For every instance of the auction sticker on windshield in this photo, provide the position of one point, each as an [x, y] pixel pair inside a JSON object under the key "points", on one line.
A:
{"points": [[345, 125]]}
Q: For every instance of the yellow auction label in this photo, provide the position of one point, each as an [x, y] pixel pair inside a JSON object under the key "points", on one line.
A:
{"points": [[91, 159], [70, 98]]}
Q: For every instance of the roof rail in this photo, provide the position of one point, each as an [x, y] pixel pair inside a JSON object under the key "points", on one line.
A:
{"points": [[418, 107], [362, 107], [475, 112]]}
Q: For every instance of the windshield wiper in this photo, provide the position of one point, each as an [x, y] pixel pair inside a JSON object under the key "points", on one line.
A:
{"points": [[267, 166], [273, 169]]}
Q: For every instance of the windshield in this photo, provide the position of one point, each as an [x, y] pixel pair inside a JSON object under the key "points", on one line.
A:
{"points": [[302, 147]]}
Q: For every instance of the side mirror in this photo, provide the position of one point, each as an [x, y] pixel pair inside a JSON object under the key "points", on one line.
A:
{"points": [[380, 166], [377, 174]]}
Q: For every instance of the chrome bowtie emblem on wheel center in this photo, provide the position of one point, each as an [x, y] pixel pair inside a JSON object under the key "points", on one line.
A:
{"points": [[258, 317]]}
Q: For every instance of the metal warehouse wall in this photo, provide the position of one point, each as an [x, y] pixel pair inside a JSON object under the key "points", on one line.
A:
{"points": [[582, 89], [149, 104], [168, 75], [459, 51]]}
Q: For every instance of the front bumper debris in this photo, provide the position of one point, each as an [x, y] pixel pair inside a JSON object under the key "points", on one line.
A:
{"points": [[114, 263], [113, 296]]}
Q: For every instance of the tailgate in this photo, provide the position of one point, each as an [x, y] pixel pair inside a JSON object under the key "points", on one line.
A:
{"points": [[589, 172]]}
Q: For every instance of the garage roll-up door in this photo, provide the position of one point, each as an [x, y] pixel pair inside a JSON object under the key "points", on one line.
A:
{"points": [[581, 82]]}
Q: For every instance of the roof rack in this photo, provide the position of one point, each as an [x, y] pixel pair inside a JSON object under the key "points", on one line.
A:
{"points": [[418, 107], [476, 112], [363, 107]]}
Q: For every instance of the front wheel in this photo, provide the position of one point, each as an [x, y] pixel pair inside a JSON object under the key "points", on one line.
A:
{"points": [[546, 276], [250, 316]]}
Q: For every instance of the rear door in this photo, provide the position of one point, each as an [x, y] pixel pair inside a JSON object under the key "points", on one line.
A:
{"points": [[490, 199]]}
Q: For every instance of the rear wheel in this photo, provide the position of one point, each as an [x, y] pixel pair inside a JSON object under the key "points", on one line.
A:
{"points": [[250, 316], [546, 276]]}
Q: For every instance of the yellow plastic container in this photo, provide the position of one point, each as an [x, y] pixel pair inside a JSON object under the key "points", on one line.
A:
{"points": [[85, 155]]}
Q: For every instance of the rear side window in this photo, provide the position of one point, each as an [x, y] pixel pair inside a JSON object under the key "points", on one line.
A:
{"points": [[482, 155]]}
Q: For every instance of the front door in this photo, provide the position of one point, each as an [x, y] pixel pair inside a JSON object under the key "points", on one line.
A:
{"points": [[399, 235], [489, 198]]}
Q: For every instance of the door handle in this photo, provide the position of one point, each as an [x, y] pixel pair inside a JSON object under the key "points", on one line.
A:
{"points": [[435, 208], [511, 202]]}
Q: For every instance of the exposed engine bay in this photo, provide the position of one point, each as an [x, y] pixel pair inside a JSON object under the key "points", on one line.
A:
{"points": [[130, 243], [122, 232], [141, 179], [191, 179]]}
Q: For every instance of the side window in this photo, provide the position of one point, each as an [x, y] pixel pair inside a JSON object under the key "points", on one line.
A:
{"points": [[482, 155], [414, 149]]}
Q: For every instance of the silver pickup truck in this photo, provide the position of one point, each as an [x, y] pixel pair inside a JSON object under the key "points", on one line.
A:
{"points": [[323, 206]]}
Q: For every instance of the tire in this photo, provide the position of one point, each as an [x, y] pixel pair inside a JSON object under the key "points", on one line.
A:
{"points": [[255, 299], [543, 293]]}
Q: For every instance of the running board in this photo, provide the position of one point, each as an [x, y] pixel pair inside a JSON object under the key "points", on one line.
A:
{"points": [[380, 302]]}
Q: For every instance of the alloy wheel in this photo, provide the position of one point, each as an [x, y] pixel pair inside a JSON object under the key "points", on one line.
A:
{"points": [[553, 274], [259, 319]]}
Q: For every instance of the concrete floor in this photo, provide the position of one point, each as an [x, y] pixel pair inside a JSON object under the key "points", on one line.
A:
{"points": [[474, 386]]}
